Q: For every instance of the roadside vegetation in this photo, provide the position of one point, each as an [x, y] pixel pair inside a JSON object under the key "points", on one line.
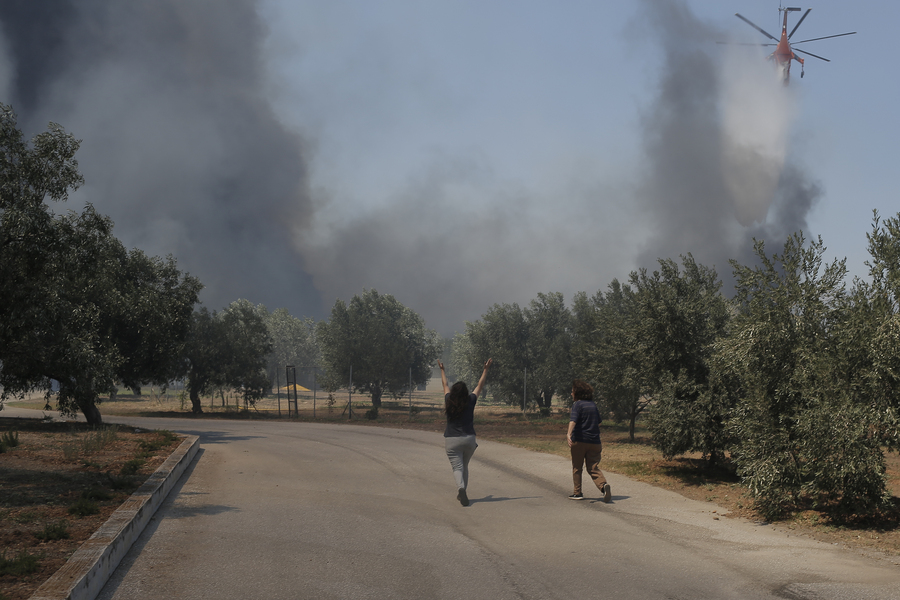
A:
{"points": [[58, 485]]}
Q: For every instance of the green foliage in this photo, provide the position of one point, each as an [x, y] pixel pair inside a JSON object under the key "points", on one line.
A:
{"points": [[97, 494], [385, 343], [124, 483], [28, 516], [534, 341], [83, 508], [227, 350], [164, 439], [20, 565], [293, 343], [9, 439], [54, 531], [606, 352], [131, 467], [681, 314], [805, 422], [76, 306], [464, 365]]}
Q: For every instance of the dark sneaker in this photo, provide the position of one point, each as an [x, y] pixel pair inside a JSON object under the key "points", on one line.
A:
{"points": [[463, 499], [607, 494], [576, 497]]}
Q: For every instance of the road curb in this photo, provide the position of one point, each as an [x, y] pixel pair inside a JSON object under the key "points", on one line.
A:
{"points": [[87, 571]]}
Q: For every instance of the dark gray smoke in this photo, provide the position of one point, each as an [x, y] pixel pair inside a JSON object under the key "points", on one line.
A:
{"points": [[180, 146], [690, 157]]}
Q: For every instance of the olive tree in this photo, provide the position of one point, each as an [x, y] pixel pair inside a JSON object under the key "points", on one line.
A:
{"points": [[805, 422], [384, 343], [680, 315], [531, 348], [293, 343], [76, 307], [227, 349], [607, 354]]}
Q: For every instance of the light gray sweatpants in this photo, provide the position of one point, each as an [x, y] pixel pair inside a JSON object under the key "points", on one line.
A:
{"points": [[460, 451]]}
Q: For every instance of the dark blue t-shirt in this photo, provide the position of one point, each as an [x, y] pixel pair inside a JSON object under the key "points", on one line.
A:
{"points": [[587, 422], [463, 424]]}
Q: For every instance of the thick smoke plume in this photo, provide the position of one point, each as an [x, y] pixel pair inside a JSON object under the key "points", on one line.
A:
{"points": [[180, 147], [183, 150], [716, 140]]}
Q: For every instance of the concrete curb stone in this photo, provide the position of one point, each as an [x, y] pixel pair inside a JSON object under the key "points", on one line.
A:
{"points": [[89, 568]]}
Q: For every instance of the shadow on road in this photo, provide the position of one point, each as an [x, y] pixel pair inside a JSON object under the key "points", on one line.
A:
{"points": [[220, 437], [491, 498]]}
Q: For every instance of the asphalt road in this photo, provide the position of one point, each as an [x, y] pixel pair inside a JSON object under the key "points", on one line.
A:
{"points": [[299, 510]]}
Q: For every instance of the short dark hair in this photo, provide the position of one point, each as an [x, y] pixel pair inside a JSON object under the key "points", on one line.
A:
{"points": [[582, 390]]}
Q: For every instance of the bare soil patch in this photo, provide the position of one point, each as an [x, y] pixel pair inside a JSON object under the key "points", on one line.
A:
{"points": [[58, 485]]}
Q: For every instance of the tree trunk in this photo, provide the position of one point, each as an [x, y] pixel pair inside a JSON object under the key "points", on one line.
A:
{"points": [[631, 426], [90, 411], [195, 402], [136, 390], [545, 399], [376, 396]]}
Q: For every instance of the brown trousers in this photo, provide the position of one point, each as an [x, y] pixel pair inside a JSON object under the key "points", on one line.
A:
{"points": [[587, 454]]}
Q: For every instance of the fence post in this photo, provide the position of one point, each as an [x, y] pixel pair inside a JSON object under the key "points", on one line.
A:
{"points": [[524, 390], [350, 401]]}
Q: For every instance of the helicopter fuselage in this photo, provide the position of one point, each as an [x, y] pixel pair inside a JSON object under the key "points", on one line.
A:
{"points": [[783, 53]]}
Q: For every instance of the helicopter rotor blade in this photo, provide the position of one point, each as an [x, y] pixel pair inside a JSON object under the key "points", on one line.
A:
{"points": [[744, 44], [811, 54], [798, 23], [755, 26], [825, 38]]}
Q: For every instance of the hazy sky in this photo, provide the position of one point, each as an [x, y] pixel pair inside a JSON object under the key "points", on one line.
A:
{"points": [[458, 154]]}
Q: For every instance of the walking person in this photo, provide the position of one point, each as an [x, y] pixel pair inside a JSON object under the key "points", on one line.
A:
{"points": [[584, 440], [459, 435]]}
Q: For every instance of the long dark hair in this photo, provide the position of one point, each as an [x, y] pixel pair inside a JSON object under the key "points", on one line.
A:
{"points": [[456, 401]]}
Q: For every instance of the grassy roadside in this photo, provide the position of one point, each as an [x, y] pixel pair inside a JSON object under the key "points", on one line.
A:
{"points": [[59, 482]]}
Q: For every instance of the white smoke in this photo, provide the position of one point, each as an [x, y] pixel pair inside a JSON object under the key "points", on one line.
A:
{"points": [[757, 112]]}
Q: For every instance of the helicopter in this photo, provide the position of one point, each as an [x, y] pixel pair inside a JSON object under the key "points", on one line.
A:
{"points": [[784, 53]]}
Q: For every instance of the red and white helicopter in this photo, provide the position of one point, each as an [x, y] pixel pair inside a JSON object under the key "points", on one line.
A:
{"points": [[784, 53]]}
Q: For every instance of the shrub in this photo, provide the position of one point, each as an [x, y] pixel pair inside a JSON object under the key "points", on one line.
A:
{"points": [[132, 466], [23, 564], [54, 531], [84, 507], [124, 483], [96, 494], [9, 439]]}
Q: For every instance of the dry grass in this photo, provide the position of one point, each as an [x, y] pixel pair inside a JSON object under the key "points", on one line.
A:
{"points": [[58, 485]]}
